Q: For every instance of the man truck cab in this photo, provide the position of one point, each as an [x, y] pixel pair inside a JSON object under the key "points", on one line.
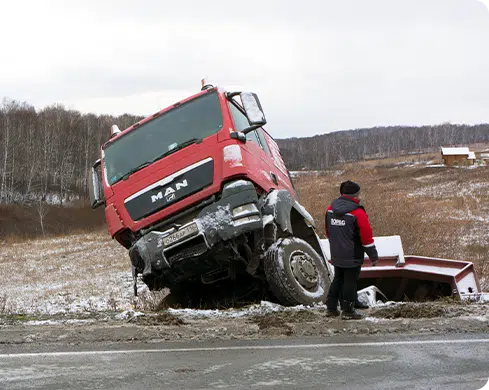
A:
{"points": [[198, 193]]}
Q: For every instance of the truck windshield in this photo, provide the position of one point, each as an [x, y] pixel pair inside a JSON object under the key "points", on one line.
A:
{"points": [[173, 130]]}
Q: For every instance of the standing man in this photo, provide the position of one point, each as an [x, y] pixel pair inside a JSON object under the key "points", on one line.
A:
{"points": [[350, 236]]}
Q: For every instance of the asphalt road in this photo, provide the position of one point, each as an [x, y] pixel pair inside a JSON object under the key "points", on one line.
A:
{"points": [[339, 362]]}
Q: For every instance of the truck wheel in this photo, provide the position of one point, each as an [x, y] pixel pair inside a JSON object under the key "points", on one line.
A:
{"points": [[295, 272]]}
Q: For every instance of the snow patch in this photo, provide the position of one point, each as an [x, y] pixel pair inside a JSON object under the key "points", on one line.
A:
{"points": [[374, 319], [233, 156], [272, 198], [127, 314], [267, 219], [304, 211], [237, 183], [59, 322], [264, 307], [476, 297], [217, 219]]}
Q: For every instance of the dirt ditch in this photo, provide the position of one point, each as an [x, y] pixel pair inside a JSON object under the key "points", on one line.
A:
{"points": [[263, 321]]}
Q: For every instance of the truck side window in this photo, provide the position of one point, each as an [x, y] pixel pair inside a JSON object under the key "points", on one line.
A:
{"points": [[239, 119], [263, 141], [241, 123], [251, 136]]}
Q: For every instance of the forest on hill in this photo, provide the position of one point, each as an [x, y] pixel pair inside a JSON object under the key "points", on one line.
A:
{"points": [[46, 154], [327, 150]]}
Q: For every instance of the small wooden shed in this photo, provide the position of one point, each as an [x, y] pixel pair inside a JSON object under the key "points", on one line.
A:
{"points": [[457, 156]]}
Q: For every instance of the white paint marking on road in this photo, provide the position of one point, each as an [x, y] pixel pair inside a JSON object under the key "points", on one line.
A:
{"points": [[242, 348]]}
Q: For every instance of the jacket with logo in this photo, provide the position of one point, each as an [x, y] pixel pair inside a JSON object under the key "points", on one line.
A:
{"points": [[349, 233]]}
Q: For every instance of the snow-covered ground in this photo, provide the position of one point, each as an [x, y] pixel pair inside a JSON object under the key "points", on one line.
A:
{"points": [[72, 274], [84, 274], [89, 274]]}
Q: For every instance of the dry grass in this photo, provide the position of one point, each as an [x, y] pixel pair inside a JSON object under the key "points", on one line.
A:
{"points": [[438, 212], [152, 301], [85, 272], [272, 321], [19, 223], [411, 310], [161, 318], [282, 321], [396, 161]]}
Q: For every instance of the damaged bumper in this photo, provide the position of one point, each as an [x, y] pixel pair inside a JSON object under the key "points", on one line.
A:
{"points": [[235, 213]]}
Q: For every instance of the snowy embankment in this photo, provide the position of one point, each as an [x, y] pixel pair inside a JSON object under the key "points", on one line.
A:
{"points": [[84, 274], [72, 274]]}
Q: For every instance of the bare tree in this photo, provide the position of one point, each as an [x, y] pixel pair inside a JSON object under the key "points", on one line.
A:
{"points": [[42, 211]]}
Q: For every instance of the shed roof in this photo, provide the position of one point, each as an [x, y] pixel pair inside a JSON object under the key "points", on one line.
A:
{"points": [[455, 151], [471, 156]]}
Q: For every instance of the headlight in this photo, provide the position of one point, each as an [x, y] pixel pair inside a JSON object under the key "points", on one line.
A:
{"points": [[243, 220], [246, 209]]}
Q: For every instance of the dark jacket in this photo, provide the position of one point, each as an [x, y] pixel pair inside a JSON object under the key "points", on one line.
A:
{"points": [[349, 233]]}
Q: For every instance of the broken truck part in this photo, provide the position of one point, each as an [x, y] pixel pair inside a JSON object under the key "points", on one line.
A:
{"points": [[199, 194], [401, 277]]}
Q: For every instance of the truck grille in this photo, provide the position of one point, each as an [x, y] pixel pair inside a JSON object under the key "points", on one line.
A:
{"points": [[192, 248], [170, 189]]}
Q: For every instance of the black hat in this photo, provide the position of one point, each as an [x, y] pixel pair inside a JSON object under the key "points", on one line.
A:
{"points": [[349, 188]]}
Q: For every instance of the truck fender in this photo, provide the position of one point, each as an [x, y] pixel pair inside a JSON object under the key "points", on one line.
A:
{"points": [[279, 204], [291, 217]]}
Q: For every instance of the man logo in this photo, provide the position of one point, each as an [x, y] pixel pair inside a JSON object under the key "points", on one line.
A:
{"points": [[169, 193], [338, 222]]}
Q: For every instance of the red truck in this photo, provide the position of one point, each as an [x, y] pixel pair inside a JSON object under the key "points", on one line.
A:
{"points": [[198, 193]]}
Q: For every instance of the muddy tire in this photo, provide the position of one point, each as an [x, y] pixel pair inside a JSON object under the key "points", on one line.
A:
{"points": [[295, 272]]}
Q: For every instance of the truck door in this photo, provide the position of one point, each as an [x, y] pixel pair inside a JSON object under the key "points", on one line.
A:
{"points": [[257, 161], [276, 161]]}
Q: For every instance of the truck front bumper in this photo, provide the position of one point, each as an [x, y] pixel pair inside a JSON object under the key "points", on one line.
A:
{"points": [[234, 214]]}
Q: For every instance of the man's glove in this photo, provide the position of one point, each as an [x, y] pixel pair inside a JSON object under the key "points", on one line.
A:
{"points": [[372, 254]]}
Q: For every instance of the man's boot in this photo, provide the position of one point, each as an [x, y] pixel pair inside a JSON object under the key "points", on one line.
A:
{"points": [[332, 313], [349, 312], [360, 305]]}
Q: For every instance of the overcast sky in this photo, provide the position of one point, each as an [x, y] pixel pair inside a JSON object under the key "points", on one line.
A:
{"points": [[317, 66]]}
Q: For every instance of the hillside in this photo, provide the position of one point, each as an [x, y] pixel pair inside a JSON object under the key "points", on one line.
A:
{"points": [[327, 150]]}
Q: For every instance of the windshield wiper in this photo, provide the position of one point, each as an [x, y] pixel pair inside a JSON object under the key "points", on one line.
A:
{"points": [[134, 170], [179, 147]]}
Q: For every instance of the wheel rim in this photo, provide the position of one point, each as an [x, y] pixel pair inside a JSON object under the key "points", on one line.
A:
{"points": [[304, 270]]}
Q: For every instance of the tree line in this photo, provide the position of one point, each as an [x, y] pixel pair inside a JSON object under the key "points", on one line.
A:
{"points": [[327, 150], [46, 154]]}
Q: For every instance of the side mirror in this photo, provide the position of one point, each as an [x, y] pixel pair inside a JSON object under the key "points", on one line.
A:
{"points": [[95, 187], [252, 106], [239, 136]]}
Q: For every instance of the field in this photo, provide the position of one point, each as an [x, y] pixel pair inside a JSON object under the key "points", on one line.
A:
{"points": [[439, 212]]}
